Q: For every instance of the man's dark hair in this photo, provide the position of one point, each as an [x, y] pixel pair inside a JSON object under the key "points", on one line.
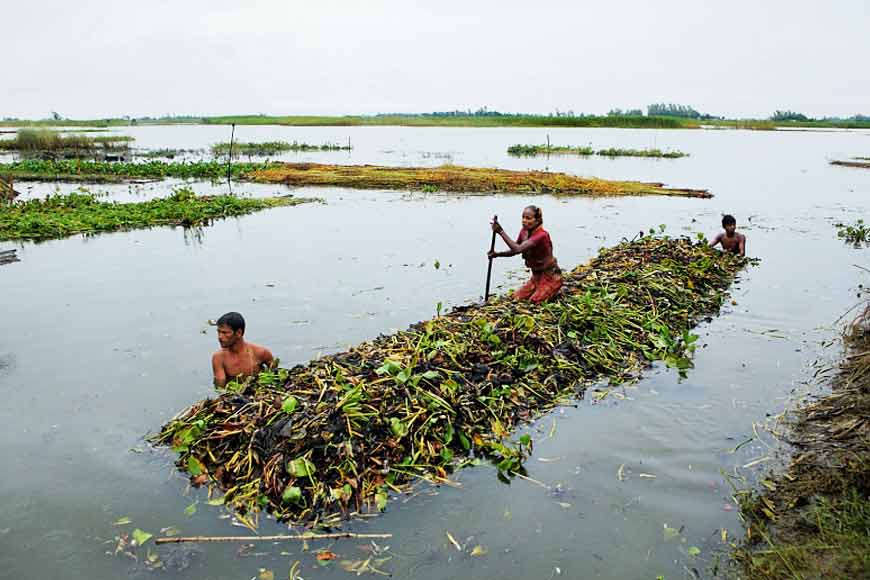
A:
{"points": [[728, 220], [232, 319]]}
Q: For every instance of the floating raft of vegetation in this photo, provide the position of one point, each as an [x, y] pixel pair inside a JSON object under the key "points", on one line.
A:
{"points": [[532, 150], [76, 213], [100, 172], [860, 162], [44, 141], [857, 234], [321, 442], [453, 178], [273, 147], [812, 521]]}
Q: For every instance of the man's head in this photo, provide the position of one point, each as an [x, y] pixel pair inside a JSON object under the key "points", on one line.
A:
{"points": [[729, 223], [532, 217], [230, 329]]}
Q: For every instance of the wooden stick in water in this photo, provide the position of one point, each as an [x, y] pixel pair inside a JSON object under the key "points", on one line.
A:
{"points": [[332, 536]]}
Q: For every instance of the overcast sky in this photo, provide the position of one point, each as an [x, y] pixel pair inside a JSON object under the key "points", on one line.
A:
{"points": [[96, 58]]}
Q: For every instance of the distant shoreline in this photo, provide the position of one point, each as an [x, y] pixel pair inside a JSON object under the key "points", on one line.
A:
{"points": [[430, 120]]}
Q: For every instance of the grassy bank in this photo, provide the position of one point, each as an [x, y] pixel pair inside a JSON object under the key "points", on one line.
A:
{"points": [[533, 150], [452, 178], [96, 171], [813, 521], [76, 213], [338, 436], [273, 147]]}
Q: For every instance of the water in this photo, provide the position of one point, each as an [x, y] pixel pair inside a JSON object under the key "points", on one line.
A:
{"points": [[106, 337]]}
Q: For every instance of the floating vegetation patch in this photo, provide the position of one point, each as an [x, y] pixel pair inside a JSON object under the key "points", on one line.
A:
{"points": [[860, 162], [333, 438], [273, 147], [532, 150], [97, 171], [812, 521], [857, 234], [53, 143], [59, 216], [165, 153], [454, 178]]}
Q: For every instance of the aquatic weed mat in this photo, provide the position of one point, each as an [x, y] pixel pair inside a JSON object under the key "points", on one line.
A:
{"points": [[812, 520], [321, 442]]}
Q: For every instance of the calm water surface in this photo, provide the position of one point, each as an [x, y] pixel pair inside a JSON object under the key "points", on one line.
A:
{"points": [[106, 337]]}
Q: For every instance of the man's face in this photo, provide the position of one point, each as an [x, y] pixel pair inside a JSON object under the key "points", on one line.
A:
{"points": [[730, 228], [529, 221], [227, 336]]}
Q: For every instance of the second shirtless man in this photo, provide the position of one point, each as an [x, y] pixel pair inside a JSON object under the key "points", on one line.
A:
{"points": [[237, 357]]}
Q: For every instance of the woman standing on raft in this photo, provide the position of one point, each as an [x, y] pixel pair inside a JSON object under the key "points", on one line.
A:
{"points": [[534, 244]]}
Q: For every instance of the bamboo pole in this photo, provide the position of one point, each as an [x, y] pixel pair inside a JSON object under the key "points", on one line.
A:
{"points": [[332, 536]]}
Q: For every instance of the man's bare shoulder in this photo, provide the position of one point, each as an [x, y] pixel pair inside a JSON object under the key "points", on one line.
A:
{"points": [[261, 352], [218, 357]]}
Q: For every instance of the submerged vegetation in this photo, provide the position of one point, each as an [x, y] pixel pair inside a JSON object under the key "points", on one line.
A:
{"points": [[855, 234], [531, 150], [273, 147], [324, 441], [813, 520], [59, 216], [454, 178]]}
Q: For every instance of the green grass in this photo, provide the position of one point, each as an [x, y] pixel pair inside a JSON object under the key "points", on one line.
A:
{"points": [[44, 140], [532, 150], [96, 171], [273, 147], [77, 213]]}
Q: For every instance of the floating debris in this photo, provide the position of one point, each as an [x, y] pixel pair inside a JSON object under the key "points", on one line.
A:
{"points": [[332, 439]]}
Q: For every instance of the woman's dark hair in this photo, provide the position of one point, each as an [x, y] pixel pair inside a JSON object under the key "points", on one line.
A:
{"points": [[728, 220], [536, 211], [232, 319]]}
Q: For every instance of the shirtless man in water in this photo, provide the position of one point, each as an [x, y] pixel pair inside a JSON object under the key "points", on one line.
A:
{"points": [[731, 240], [236, 356]]}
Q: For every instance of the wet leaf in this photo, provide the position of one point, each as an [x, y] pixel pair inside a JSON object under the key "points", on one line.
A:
{"points": [[325, 555], [194, 467], [217, 501], [694, 551], [381, 499], [289, 404], [478, 551], [122, 521], [140, 536], [190, 510], [265, 574], [300, 467], [292, 494]]}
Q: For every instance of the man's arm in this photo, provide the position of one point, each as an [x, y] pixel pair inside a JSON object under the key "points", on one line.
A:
{"points": [[742, 245], [266, 357], [217, 367], [716, 240]]}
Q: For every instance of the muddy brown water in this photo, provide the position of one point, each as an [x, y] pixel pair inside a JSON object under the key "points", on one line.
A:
{"points": [[106, 337]]}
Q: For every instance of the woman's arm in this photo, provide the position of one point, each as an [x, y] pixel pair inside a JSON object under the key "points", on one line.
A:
{"points": [[515, 248]]}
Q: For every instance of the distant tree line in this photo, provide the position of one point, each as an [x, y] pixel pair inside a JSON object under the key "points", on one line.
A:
{"points": [[789, 116], [625, 113]]}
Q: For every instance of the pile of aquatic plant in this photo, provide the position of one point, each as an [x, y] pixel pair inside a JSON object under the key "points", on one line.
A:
{"points": [[164, 153], [855, 234], [44, 140], [59, 216], [454, 178], [813, 520], [273, 147], [323, 441], [532, 150], [96, 171], [860, 162]]}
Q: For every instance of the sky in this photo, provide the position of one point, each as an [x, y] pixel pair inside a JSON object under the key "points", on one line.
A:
{"points": [[100, 58]]}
